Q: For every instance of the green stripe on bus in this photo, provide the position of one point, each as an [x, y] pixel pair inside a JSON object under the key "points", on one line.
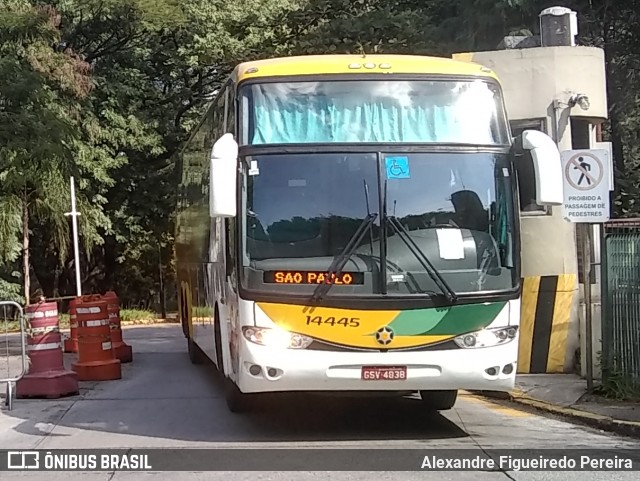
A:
{"points": [[453, 321]]}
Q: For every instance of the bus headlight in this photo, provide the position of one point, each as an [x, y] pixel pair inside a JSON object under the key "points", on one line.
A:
{"points": [[487, 337], [277, 338]]}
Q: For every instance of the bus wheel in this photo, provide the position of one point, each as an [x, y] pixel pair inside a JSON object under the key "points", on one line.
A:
{"points": [[237, 401], [195, 355], [217, 337], [184, 312], [439, 400]]}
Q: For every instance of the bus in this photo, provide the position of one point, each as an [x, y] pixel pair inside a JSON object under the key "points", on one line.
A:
{"points": [[350, 224]]}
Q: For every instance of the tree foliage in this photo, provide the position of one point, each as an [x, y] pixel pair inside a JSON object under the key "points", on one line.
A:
{"points": [[48, 135], [107, 90]]}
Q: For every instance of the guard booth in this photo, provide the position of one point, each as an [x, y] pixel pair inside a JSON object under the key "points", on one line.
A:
{"points": [[552, 85]]}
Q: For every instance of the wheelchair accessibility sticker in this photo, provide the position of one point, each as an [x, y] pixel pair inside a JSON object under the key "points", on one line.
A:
{"points": [[398, 167]]}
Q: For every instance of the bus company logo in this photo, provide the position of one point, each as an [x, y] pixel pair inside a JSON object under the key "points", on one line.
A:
{"points": [[384, 335], [23, 460]]}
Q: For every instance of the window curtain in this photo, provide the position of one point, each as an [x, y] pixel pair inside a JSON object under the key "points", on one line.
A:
{"points": [[285, 115]]}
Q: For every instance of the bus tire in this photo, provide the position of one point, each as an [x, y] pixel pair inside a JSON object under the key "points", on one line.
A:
{"points": [[184, 315], [195, 354], [237, 401], [439, 400], [217, 335]]}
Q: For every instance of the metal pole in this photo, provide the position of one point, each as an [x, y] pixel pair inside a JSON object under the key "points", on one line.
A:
{"points": [[74, 222], [586, 278]]}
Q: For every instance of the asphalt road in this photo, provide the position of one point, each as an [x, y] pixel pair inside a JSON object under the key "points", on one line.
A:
{"points": [[164, 401]]}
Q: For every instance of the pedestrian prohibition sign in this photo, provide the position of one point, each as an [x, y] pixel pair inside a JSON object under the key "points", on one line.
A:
{"points": [[586, 185]]}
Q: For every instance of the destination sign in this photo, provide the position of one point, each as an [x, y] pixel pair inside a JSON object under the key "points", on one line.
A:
{"points": [[313, 277]]}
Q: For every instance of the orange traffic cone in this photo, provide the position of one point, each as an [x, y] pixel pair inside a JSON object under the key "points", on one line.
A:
{"points": [[121, 350], [71, 344], [96, 359], [47, 376]]}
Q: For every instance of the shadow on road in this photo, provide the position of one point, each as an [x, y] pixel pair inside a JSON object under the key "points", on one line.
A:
{"points": [[320, 417], [161, 395]]}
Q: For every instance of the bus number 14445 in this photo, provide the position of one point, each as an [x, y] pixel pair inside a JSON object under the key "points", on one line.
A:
{"points": [[332, 321]]}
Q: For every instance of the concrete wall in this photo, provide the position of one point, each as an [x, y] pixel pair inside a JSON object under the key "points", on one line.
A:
{"points": [[538, 84], [533, 78]]}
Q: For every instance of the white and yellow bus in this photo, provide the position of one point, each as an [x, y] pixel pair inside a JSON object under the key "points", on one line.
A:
{"points": [[350, 223]]}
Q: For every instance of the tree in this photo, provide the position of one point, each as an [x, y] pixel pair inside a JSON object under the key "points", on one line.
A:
{"points": [[46, 134], [112, 88], [154, 73]]}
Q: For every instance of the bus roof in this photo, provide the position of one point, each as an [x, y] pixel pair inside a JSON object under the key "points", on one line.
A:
{"points": [[358, 64]]}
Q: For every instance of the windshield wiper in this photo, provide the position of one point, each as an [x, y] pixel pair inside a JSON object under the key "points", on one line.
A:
{"points": [[335, 269], [423, 259]]}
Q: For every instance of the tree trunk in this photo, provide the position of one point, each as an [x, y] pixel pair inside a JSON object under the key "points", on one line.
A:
{"points": [[163, 304], [56, 282], [25, 250]]}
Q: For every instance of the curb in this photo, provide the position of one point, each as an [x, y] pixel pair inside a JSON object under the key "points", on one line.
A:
{"points": [[599, 421], [149, 322]]}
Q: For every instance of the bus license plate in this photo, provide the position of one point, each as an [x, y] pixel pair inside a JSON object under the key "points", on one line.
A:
{"points": [[384, 373]]}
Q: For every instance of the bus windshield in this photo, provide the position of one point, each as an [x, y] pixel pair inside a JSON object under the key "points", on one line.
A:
{"points": [[301, 210], [373, 111]]}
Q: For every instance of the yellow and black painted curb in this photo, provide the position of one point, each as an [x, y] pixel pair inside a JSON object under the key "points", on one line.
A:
{"points": [[545, 319], [606, 423]]}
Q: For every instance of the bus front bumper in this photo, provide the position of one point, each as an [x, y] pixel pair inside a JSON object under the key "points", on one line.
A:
{"points": [[264, 369]]}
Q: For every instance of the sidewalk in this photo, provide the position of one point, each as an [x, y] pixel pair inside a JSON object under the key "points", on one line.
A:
{"points": [[566, 395]]}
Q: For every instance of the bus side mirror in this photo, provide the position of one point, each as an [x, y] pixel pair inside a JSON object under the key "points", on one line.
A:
{"points": [[546, 165], [223, 177]]}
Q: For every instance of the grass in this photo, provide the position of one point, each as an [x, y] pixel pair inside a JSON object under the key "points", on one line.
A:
{"points": [[618, 385], [127, 316], [202, 311], [133, 315]]}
